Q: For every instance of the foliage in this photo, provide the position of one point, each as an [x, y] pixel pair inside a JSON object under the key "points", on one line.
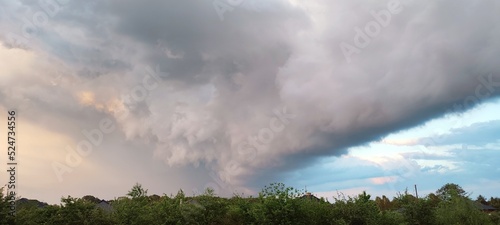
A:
{"points": [[91, 199], [5, 217], [276, 204], [137, 191], [495, 202], [495, 218], [359, 210], [460, 210], [416, 210], [449, 189]]}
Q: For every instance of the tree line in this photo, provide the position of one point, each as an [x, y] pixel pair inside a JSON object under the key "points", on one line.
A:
{"points": [[275, 204]]}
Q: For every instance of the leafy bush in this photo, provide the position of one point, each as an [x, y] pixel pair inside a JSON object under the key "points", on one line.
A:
{"points": [[359, 210], [276, 204], [460, 210]]}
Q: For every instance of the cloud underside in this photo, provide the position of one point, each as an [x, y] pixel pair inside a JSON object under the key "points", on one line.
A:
{"points": [[267, 90]]}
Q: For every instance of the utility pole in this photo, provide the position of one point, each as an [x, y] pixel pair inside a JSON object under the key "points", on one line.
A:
{"points": [[416, 192]]}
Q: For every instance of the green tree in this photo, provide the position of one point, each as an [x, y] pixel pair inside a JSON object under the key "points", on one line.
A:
{"points": [[460, 210], [383, 203], [495, 218], [449, 189], [135, 210], [91, 199], [416, 210], [312, 211], [5, 217], [137, 191], [47, 215], [278, 205], [359, 210], [73, 211], [213, 208], [495, 202], [240, 210]]}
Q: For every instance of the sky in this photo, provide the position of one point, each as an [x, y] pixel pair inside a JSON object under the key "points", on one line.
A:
{"points": [[332, 96]]}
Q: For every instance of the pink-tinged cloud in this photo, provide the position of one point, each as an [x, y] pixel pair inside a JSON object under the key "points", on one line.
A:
{"points": [[382, 180], [400, 142]]}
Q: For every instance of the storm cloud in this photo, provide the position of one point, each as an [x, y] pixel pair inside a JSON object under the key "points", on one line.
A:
{"points": [[261, 92]]}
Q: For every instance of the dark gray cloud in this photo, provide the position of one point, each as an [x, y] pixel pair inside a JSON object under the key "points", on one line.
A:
{"points": [[229, 78]]}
